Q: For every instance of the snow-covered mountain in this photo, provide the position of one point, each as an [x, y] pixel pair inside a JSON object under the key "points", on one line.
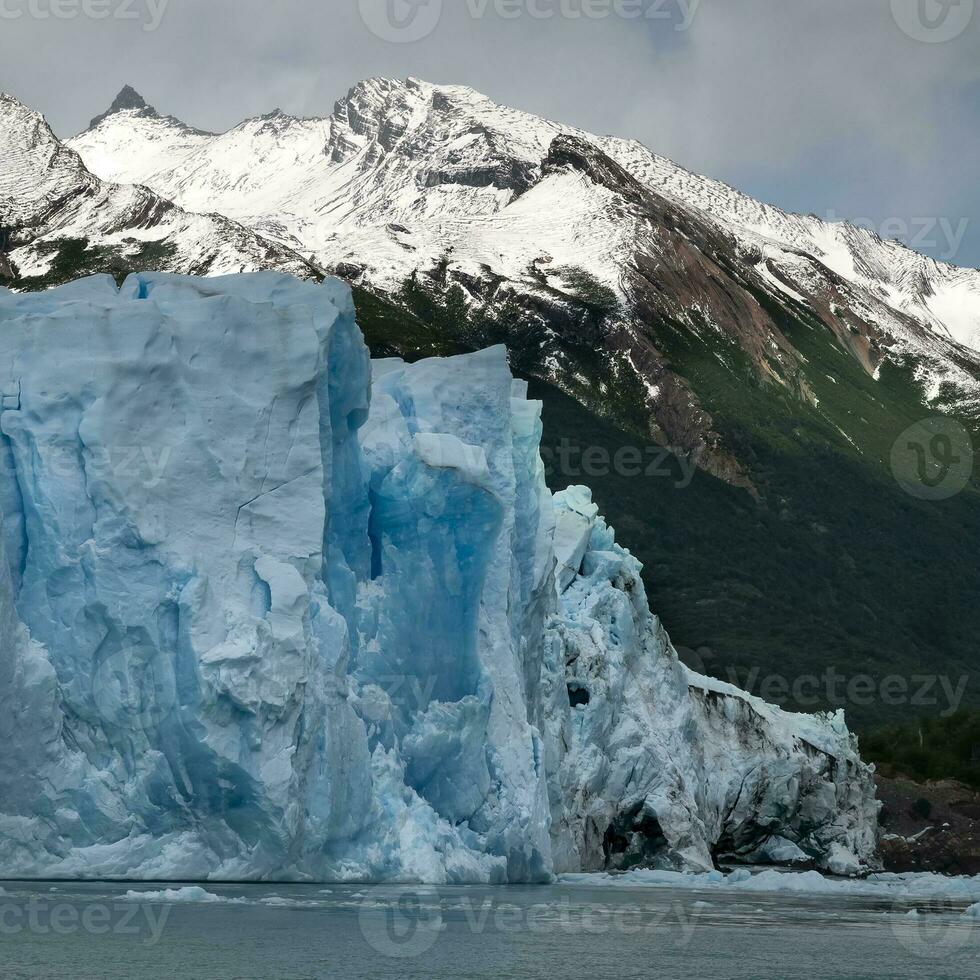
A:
{"points": [[54, 213], [452, 166], [598, 241]]}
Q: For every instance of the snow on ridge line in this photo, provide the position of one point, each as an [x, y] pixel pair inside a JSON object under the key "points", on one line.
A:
{"points": [[432, 156], [124, 220], [328, 622]]}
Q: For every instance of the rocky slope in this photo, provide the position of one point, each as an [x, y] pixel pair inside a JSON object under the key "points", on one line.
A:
{"points": [[932, 826]]}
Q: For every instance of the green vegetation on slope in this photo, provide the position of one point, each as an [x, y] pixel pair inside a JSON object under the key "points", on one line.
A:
{"points": [[74, 258], [554, 328], [392, 331], [931, 748], [836, 588], [835, 570]]}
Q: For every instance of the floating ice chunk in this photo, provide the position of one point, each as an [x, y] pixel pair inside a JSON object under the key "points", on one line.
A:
{"points": [[187, 895]]}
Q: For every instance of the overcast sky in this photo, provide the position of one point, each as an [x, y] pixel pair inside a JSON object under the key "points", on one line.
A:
{"points": [[867, 109]]}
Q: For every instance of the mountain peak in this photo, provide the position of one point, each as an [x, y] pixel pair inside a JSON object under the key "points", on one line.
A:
{"points": [[128, 98]]}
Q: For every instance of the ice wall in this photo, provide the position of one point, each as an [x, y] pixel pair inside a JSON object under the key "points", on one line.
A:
{"points": [[263, 616], [171, 450], [661, 767]]}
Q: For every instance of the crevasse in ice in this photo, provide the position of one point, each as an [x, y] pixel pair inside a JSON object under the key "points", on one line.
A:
{"points": [[270, 611]]}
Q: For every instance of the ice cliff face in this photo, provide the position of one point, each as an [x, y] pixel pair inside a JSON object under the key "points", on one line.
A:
{"points": [[263, 615], [659, 766]]}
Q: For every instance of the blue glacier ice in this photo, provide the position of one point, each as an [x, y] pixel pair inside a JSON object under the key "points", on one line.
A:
{"points": [[269, 610]]}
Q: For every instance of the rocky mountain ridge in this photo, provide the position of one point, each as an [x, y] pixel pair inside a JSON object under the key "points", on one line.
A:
{"points": [[596, 241]]}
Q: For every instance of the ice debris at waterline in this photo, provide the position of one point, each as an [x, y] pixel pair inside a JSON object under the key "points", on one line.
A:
{"points": [[912, 886], [263, 616]]}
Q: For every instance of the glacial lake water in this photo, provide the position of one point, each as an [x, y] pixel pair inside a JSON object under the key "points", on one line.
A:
{"points": [[98, 931]]}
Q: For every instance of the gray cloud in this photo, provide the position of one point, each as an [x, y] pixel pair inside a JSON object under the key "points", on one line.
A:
{"points": [[816, 105]]}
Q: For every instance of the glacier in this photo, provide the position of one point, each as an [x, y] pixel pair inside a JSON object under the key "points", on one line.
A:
{"points": [[269, 610]]}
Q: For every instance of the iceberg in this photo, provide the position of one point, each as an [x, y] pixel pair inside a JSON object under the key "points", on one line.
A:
{"points": [[269, 610]]}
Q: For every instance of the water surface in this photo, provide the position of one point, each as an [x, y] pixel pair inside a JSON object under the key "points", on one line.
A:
{"points": [[85, 931]]}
